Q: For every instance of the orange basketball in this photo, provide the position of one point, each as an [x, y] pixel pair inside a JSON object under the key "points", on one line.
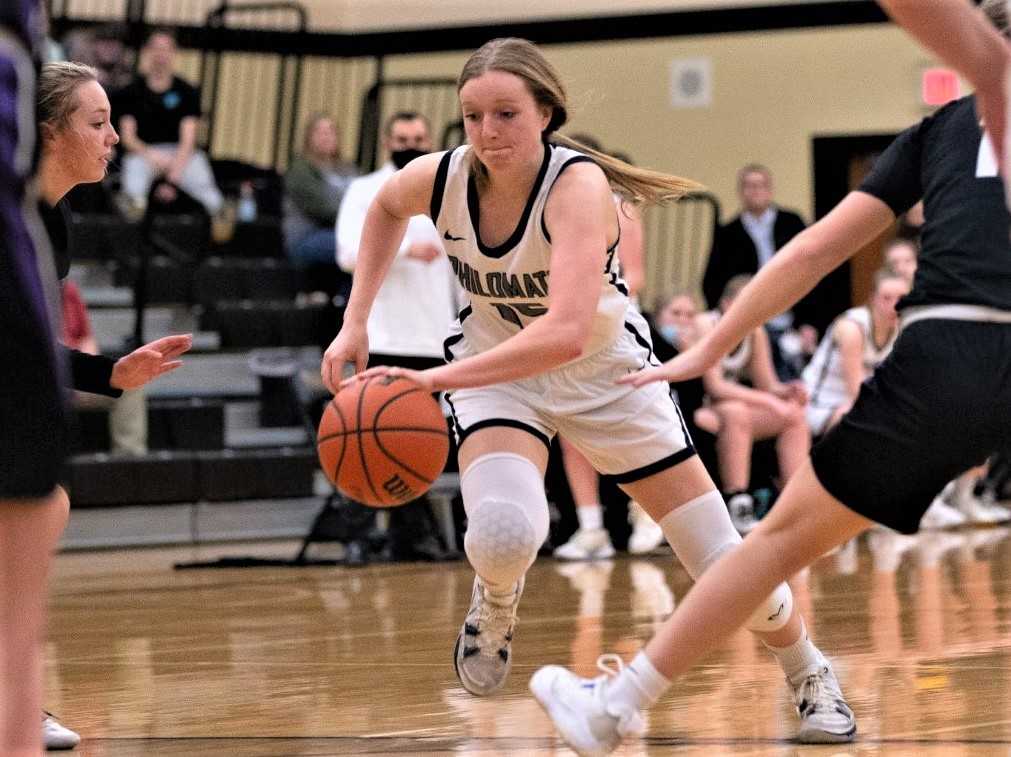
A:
{"points": [[383, 441]]}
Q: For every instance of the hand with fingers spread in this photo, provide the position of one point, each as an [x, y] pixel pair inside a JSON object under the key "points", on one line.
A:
{"points": [[351, 345], [150, 361], [690, 364], [424, 379]]}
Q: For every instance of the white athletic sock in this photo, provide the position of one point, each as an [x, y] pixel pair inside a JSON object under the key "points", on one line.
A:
{"points": [[590, 517], [637, 687], [800, 659]]}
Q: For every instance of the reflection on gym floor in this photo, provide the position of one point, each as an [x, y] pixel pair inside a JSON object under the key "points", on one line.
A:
{"points": [[319, 661]]}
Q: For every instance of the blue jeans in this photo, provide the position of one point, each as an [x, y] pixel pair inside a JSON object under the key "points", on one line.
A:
{"points": [[319, 248]]}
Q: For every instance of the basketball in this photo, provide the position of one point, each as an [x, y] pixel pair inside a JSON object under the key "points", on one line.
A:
{"points": [[383, 441]]}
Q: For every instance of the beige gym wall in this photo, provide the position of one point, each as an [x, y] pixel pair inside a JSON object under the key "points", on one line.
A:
{"points": [[772, 93]]}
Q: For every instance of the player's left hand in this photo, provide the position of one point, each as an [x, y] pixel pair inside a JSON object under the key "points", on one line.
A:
{"points": [[690, 364], [150, 361], [423, 378]]}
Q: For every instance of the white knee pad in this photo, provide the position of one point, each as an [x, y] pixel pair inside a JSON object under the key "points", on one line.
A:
{"points": [[507, 517], [700, 533]]}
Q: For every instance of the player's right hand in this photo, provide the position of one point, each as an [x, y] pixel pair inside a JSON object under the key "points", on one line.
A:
{"points": [[351, 345]]}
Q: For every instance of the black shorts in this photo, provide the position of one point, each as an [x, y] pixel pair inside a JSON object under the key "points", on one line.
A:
{"points": [[940, 404], [32, 418]]}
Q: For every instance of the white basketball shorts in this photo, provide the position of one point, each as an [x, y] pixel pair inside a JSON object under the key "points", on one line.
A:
{"points": [[624, 432]]}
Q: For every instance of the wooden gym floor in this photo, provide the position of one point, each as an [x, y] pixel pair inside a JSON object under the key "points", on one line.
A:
{"points": [[144, 660]]}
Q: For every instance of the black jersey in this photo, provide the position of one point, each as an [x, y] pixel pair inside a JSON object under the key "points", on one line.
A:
{"points": [[88, 373], [966, 252], [57, 222]]}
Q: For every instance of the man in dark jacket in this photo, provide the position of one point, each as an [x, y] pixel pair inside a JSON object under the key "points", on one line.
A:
{"points": [[748, 242]]}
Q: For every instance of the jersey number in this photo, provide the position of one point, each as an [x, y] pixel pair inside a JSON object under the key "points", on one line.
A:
{"points": [[514, 310], [986, 161]]}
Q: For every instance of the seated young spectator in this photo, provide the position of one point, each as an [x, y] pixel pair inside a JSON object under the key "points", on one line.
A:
{"points": [[158, 116], [900, 256], [748, 403], [856, 343], [314, 186], [675, 328]]}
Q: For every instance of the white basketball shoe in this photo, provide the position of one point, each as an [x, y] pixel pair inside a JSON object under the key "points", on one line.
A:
{"points": [[587, 544], [578, 707], [940, 515], [825, 718], [56, 736], [646, 533]]}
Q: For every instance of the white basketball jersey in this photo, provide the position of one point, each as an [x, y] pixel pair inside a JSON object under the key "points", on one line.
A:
{"points": [[823, 376], [506, 287]]}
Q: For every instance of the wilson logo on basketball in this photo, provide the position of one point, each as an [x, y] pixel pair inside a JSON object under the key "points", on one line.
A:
{"points": [[397, 488]]}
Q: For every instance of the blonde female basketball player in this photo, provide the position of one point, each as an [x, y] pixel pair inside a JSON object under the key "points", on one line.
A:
{"points": [[531, 230]]}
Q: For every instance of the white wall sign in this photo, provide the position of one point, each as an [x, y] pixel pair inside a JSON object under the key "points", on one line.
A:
{"points": [[691, 83]]}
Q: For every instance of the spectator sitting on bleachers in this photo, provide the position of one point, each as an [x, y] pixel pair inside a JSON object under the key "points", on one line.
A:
{"points": [[676, 324], [314, 187], [747, 403], [856, 343], [414, 307], [158, 115], [900, 256], [102, 48]]}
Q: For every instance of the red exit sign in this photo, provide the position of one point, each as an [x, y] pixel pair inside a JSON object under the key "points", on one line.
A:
{"points": [[940, 86]]}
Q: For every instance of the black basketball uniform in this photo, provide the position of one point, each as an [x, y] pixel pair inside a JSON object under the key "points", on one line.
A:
{"points": [[941, 402], [31, 411]]}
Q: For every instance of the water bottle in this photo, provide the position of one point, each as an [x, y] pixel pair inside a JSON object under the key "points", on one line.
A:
{"points": [[246, 210]]}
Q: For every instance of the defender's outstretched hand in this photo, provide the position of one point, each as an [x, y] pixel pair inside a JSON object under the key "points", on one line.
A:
{"points": [[150, 361], [690, 364]]}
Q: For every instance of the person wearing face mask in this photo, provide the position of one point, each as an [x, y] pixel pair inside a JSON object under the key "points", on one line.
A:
{"points": [[414, 307]]}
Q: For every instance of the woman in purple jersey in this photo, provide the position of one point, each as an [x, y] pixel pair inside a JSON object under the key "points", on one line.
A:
{"points": [[31, 414]]}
